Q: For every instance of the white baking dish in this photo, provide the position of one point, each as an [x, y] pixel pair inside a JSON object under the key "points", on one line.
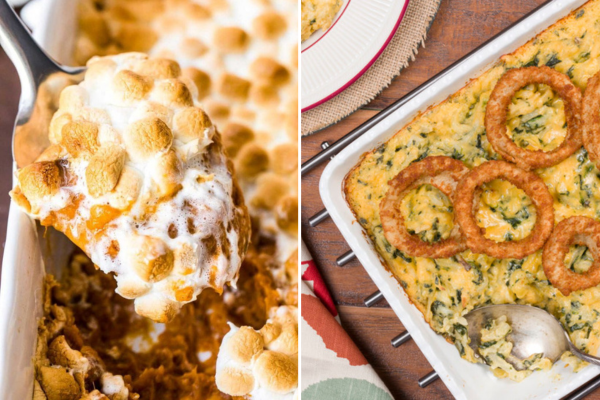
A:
{"points": [[463, 379], [24, 263]]}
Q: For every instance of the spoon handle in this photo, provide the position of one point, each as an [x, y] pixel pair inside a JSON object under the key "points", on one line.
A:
{"points": [[584, 356], [31, 61]]}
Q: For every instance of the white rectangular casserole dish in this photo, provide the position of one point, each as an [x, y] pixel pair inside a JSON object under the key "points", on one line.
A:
{"points": [[54, 23], [463, 379]]}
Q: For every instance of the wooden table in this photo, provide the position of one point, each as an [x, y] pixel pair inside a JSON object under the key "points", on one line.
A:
{"points": [[9, 100], [460, 26]]}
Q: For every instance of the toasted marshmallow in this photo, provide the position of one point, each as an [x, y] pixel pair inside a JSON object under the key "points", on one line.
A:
{"points": [[261, 364], [104, 170], [114, 386], [243, 62], [158, 68], [230, 39], [136, 176], [39, 181], [201, 80], [269, 26]]}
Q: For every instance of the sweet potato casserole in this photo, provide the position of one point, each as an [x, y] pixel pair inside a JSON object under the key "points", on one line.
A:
{"points": [[139, 146]]}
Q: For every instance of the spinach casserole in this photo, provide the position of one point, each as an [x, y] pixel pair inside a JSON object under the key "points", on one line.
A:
{"points": [[445, 289]]}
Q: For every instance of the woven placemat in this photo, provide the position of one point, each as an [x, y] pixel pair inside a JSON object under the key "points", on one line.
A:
{"points": [[403, 47]]}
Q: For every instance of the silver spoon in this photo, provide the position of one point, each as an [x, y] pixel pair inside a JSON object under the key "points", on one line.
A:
{"points": [[534, 331], [35, 68]]}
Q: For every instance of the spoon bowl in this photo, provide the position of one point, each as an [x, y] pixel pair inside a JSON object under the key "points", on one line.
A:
{"points": [[38, 72], [534, 331]]}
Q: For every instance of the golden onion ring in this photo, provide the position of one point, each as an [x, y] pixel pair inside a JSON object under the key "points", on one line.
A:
{"points": [[438, 171], [576, 230], [497, 108], [465, 208], [590, 118]]}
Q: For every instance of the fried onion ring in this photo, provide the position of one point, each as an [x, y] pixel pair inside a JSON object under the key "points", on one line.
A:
{"points": [[465, 208], [590, 118], [438, 171], [574, 230], [497, 109]]}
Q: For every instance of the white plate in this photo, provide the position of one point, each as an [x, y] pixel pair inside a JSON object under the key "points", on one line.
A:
{"points": [[334, 59], [465, 380]]}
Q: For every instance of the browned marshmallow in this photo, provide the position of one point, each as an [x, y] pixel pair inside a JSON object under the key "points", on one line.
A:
{"points": [[95, 27], [80, 138], [133, 37], [191, 123], [39, 180], [158, 68], [196, 11], [230, 39], [265, 360], [264, 95], [131, 288], [193, 48], [269, 25], [145, 138], [235, 381], [267, 70], [167, 173], [251, 160], [245, 344], [59, 120], [173, 93], [284, 158], [235, 136], [152, 260], [104, 170], [201, 79], [216, 110], [127, 190], [72, 98], [286, 211], [276, 372], [233, 87], [270, 188], [54, 152], [159, 309], [129, 86]]}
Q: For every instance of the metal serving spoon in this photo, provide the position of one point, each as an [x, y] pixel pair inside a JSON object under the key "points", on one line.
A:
{"points": [[35, 68], [534, 331]]}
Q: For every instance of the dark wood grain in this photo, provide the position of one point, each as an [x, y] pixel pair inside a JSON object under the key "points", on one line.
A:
{"points": [[9, 100], [460, 26]]}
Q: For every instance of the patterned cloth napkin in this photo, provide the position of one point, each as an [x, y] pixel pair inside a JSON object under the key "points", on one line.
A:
{"points": [[333, 368]]}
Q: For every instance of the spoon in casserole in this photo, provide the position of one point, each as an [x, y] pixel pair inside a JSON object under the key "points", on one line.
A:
{"points": [[132, 170], [36, 69], [534, 331]]}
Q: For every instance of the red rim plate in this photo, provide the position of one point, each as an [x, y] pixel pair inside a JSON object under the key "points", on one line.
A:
{"points": [[367, 66]]}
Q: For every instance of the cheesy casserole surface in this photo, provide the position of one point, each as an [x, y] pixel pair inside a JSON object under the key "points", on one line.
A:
{"points": [[318, 14], [444, 290]]}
